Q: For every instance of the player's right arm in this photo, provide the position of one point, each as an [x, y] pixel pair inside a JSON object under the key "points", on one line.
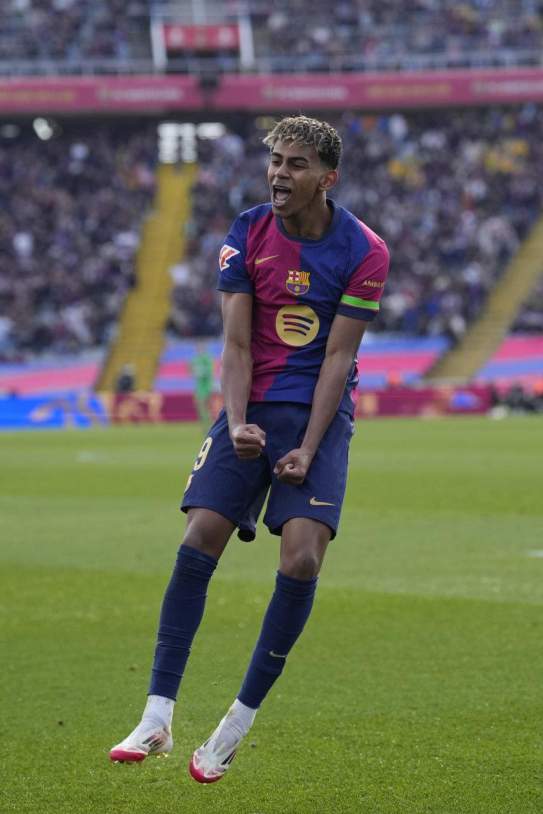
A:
{"points": [[236, 375]]}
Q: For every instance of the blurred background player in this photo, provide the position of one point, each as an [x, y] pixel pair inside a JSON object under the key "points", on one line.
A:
{"points": [[301, 279], [126, 379], [202, 370]]}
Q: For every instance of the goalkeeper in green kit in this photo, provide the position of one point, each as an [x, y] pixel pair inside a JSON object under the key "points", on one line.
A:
{"points": [[202, 370]]}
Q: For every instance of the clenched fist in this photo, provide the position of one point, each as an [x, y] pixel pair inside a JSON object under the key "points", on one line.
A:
{"points": [[293, 467], [248, 439]]}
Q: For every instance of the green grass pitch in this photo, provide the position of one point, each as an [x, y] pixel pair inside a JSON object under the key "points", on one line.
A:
{"points": [[417, 686]]}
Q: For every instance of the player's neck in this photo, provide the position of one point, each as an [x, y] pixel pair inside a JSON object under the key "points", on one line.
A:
{"points": [[310, 223]]}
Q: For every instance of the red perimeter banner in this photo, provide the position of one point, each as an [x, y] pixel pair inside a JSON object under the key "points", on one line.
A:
{"points": [[429, 402], [201, 37], [283, 92]]}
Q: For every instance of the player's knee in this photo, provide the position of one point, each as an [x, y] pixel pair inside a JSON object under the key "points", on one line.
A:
{"points": [[301, 564], [206, 536], [197, 539]]}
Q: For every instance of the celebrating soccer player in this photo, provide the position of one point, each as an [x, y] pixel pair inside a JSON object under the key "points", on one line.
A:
{"points": [[301, 278]]}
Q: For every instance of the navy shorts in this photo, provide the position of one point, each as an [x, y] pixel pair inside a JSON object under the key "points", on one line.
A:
{"points": [[238, 489]]}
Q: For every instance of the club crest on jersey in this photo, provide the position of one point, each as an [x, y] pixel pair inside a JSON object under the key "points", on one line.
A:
{"points": [[227, 252], [298, 282]]}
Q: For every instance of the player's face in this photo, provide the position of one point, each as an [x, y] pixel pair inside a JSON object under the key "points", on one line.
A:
{"points": [[297, 178]]}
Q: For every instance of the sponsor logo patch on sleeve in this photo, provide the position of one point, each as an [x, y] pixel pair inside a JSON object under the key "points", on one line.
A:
{"points": [[226, 254]]}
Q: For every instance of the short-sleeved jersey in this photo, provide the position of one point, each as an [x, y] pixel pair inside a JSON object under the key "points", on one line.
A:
{"points": [[298, 287]]}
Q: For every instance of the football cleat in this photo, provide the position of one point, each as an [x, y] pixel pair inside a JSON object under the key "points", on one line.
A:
{"points": [[209, 763], [146, 739]]}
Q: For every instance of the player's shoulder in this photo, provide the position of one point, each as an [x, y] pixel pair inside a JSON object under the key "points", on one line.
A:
{"points": [[236, 240], [248, 223], [362, 239], [248, 217]]}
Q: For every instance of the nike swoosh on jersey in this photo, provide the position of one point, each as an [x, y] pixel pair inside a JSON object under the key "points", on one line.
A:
{"points": [[276, 655], [260, 260], [315, 502]]}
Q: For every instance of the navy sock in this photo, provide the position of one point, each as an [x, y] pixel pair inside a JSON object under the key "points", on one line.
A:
{"points": [[181, 614], [285, 618]]}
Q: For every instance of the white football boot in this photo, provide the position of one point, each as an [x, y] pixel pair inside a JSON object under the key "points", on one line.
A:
{"points": [[209, 763], [148, 738]]}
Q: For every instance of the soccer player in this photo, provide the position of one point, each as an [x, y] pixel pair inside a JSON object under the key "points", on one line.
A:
{"points": [[202, 370], [301, 278]]}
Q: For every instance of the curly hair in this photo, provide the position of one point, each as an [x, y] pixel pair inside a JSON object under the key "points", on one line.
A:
{"points": [[303, 130]]}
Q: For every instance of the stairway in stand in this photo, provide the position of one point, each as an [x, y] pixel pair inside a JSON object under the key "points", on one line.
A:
{"points": [[484, 336], [141, 327]]}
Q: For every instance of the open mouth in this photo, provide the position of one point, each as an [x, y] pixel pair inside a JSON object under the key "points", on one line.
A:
{"points": [[280, 195]]}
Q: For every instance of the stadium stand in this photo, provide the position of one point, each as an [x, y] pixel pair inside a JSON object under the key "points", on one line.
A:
{"points": [[454, 191], [519, 360], [139, 339], [52, 373], [72, 209], [66, 36], [530, 316], [383, 359], [386, 35]]}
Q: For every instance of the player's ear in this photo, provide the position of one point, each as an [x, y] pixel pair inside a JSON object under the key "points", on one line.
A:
{"points": [[328, 180]]}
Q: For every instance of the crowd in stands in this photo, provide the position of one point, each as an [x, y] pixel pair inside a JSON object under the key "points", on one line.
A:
{"points": [[231, 178], [530, 317], [452, 192], [72, 32], [70, 215], [289, 35], [366, 34]]}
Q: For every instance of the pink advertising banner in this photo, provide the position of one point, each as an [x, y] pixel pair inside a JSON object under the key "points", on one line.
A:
{"points": [[277, 92], [105, 94], [380, 90]]}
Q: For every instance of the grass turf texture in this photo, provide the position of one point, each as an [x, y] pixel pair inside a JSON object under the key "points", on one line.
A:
{"points": [[416, 686]]}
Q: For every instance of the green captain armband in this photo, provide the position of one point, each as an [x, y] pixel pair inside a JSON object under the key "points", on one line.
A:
{"points": [[356, 302]]}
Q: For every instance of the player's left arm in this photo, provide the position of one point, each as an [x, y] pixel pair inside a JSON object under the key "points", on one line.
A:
{"points": [[341, 349]]}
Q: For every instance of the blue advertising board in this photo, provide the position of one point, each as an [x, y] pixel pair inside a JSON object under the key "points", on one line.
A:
{"points": [[55, 411]]}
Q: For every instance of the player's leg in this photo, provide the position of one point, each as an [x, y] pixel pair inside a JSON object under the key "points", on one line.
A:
{"points": [[201, 396], [221, 494], [205, 539], [306, 517], [303, 545], [206, 536]]}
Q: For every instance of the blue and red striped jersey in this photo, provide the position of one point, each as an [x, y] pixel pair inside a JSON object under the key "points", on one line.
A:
{"points": [[298, 286]]}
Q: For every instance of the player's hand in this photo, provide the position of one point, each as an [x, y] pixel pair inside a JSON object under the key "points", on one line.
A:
{"points": [[293, 467], [248, 439]]}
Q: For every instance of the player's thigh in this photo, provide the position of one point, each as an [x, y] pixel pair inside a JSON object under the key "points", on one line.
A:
{"points": [[222, 483], [303, 546], [320, 496]]}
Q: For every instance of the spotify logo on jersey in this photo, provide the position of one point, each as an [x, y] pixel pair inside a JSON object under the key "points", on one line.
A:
{"points": [[296, 325]]}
